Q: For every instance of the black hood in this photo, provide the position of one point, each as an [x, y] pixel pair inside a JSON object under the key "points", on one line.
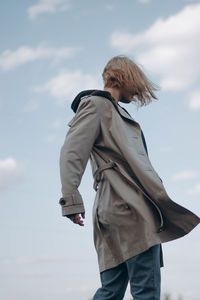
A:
{"points": [[77, 99]]}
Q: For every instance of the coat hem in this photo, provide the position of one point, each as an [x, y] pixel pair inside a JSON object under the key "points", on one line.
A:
{"points": [[118, 261]]}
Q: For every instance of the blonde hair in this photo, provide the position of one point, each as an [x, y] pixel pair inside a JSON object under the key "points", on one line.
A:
{"points": [[122, 72]]}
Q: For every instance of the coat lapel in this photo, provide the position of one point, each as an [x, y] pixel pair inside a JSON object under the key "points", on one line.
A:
{"points": [[124, 113]]}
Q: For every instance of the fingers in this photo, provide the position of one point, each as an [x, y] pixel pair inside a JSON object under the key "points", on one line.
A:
{"points": [[76, 219]]}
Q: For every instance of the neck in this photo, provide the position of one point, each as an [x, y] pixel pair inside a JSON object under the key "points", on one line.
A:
{"points": [[115, 93]]}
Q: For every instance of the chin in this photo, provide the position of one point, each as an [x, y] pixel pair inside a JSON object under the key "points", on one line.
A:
{"points": [[125, 100]]}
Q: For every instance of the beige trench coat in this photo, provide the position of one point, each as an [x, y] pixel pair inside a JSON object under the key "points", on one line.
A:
{"points": [[132, 210]]}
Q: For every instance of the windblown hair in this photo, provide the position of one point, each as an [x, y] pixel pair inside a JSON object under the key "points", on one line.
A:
{"points": [[122, 72]]}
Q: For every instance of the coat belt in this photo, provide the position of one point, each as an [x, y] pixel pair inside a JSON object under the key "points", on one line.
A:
{"points": [[98, 174], [111, 164]]}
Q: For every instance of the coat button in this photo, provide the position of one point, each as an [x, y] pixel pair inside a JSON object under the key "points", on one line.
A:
{"points": [[161, 229], [126, 206], [62, 201]]}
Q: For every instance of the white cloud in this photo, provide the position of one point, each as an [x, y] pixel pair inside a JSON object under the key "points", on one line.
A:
{"points": [[10, 172], [109, 7], [67, 84], [47, 6], [184, 175], [195, 190], [51, 138], [32, 105], [169, 47], [144, 1], [194, 100], [23, 260], [11, 59], [33, 274], [166, 149], [57, 124], [54, 137]]}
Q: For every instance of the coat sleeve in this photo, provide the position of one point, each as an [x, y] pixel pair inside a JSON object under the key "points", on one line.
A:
{"points": [[75, 153]]}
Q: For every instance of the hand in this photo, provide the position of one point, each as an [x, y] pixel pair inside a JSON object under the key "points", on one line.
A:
{"points": [[76, 218]]}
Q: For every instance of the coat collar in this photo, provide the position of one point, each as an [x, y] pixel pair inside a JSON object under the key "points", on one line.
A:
{"points": [[121, 110]]}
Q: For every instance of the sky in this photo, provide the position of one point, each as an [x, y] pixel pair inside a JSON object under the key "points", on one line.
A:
{"points": [[50, 50]]}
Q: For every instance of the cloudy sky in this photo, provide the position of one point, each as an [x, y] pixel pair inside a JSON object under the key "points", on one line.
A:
{"points": [[49, 51]]}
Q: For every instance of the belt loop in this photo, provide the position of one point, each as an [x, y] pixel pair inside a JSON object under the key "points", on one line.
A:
{"points": [[98, 173]]}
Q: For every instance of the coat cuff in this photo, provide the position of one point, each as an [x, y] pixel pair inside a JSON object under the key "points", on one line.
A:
{"points": [[73, 209], [72, 204]]}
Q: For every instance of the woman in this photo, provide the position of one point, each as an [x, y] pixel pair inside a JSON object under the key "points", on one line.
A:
{"points": [[132, 213]]}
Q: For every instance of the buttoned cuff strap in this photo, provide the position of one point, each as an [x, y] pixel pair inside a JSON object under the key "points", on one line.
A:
{"points": [[72, 204], [73, 209]]}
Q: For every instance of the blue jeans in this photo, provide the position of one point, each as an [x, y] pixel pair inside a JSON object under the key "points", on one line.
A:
{"points": [[143, 272]]}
